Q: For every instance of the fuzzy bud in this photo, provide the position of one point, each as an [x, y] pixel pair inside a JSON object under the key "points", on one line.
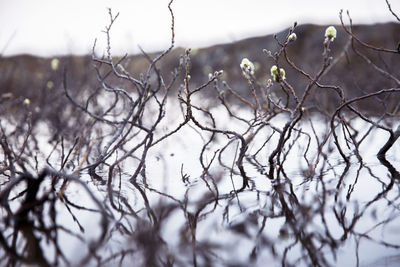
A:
{"points": [[218, 73], [274, 73], [247, 68], [27, 101], [292, 37], [274, 70], [54, 63], [282, 73], [330, 33], [49, 84]]}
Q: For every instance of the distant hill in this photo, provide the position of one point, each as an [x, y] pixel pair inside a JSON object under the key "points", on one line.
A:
{"points": [[27, 76]]}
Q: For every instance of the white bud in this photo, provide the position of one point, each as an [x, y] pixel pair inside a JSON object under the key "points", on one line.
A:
{"points": [[27, 101], [292, 37], [247, 68]]}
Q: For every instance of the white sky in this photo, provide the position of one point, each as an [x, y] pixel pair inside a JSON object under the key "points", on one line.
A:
{"points": [[56, 27]]}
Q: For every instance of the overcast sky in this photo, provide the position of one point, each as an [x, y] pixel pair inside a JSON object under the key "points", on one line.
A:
{"points": [[56, 27]]}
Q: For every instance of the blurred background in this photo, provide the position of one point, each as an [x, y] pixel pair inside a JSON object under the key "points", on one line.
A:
{"points": [[59, 27], [221, 33]]}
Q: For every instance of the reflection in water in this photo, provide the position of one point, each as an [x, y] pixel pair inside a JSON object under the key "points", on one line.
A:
{"points": [[141, 171], [319, 211]]}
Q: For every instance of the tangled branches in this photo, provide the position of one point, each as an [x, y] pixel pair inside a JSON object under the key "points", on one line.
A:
{"points": [[270, 173]]}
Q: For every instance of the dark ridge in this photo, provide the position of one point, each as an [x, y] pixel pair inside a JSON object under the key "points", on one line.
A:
{"points": [[26, 76]]}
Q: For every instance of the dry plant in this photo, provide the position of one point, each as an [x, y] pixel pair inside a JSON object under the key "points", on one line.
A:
{"points": [[106, 135]]}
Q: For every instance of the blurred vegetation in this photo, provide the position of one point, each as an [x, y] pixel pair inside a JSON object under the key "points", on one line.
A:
{"points": [[27, 76], [286, 173]]}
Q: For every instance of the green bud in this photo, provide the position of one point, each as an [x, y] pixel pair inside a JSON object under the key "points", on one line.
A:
{"points": [[50, 84], [274, 73], [330, 33], [54, 63], [283, 73], [274, 70]]}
